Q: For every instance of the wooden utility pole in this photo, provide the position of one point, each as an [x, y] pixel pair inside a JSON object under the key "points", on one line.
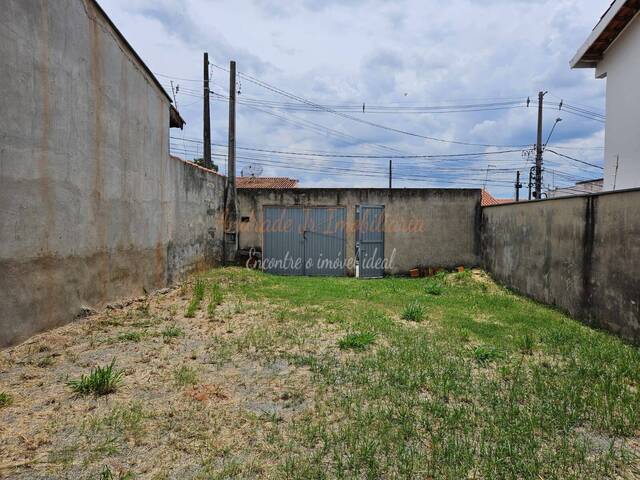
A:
{"points": [[518, 186], [206, 134], [390, 173], [538, 190]]}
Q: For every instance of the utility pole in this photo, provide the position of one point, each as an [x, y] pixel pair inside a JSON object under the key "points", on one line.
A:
{"points": [[538, 191], [390, 173], [531, 180], [518, 186], [231, 153], [206, 135], [230, 243]]}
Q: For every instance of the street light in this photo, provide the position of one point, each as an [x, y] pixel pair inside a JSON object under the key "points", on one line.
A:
{"points": [[558, 120]]}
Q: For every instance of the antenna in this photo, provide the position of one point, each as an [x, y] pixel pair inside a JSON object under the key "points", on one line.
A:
{"points": [[252, 170]]}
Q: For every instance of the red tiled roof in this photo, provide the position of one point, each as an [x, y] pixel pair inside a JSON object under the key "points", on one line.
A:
{"points": [[266, 182], [488, 199]]}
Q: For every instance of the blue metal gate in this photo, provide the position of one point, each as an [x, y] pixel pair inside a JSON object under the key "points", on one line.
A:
{"points": [[370, 240], [304, 241]]}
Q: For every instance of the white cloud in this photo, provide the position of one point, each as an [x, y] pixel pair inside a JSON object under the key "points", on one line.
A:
{"points": [[337, 52]]}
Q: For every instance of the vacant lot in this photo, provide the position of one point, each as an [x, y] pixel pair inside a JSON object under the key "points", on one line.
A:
{"points": [[237, 374]]}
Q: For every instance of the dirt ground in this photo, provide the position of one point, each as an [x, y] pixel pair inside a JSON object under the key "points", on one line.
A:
{"points": [[157, 417]]}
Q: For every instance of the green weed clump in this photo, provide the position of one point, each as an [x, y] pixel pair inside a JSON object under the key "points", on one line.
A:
{"points": [[526, 344], [130, 337], [172, 331], [485, 354], [215, 299], [5, 399], [434, 288], [414, 312], [185, 375], [101, 381], [357, 341], [199, 288]]}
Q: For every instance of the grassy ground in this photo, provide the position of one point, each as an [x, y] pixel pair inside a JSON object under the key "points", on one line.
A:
{"points": [[244, 375]]}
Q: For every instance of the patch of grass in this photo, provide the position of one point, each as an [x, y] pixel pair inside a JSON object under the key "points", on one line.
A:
{"points": [[215, 299], [434, 288], [130, 337], [413, 312], [199, 288], [185, 375], [485, 354], [526, 344], [357, 341], [172, 331], [5, 399], [101, 380]]}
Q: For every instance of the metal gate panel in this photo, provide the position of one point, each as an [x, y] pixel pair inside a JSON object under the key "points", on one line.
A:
{"points": [[304, 241], [324, 241], [370, 240], [283, 241]]}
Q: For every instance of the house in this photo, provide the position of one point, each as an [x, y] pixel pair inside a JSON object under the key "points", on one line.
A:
{"points": [[580, 188], [613, 50]]}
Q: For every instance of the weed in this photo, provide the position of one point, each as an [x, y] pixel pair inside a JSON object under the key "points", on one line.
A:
{"points": [[199, 288], [106, 474], [486, 353], [101, 380], [413, 312], [172, 331], [215, 299], [357, 341], [434, 288], [185, 375], [525, 344], [130, 337], [5, 399]]}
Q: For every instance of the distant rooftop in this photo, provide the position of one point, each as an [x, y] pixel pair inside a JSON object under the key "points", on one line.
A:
{"points": [[276, 183]]}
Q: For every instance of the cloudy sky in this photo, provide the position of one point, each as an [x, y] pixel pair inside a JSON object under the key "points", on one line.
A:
{"points": [[400, 59]]}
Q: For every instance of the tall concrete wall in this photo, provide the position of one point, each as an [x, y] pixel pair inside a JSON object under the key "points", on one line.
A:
{"points": [[433, 227], [581, 254], [92, 207]]}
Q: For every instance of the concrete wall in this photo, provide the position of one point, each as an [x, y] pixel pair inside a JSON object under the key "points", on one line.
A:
{"points": [[433, 227], [92, 207], [581, 254], [621, 67]]}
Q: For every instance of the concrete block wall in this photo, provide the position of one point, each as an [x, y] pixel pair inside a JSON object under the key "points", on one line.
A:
{"points": [[438, 227], [580, 254], [92, 207]]}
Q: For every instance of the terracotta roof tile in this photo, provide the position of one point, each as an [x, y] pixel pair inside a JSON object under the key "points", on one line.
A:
{"points": [[266, 182], [488, 199]]}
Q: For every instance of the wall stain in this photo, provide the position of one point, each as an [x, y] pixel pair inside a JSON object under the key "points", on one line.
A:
{"points": [[588, 240]]}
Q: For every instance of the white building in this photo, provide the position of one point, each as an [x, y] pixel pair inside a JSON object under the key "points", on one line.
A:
{"points": [[613, 49]]}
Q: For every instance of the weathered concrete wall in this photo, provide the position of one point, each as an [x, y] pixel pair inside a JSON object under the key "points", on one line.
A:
{"points": [[581, 254], [92, 207], [435, 227]]}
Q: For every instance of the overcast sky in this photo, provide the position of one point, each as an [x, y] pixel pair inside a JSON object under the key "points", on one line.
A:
{"points": [[380, 53]]}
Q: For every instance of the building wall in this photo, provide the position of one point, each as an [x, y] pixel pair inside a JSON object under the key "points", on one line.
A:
{"points": [[92, 207], [580, 254], [432, 227], [580, 188], [622, 138]]}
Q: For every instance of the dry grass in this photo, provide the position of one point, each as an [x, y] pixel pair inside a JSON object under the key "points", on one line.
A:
{"points": [[196, 423]]}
